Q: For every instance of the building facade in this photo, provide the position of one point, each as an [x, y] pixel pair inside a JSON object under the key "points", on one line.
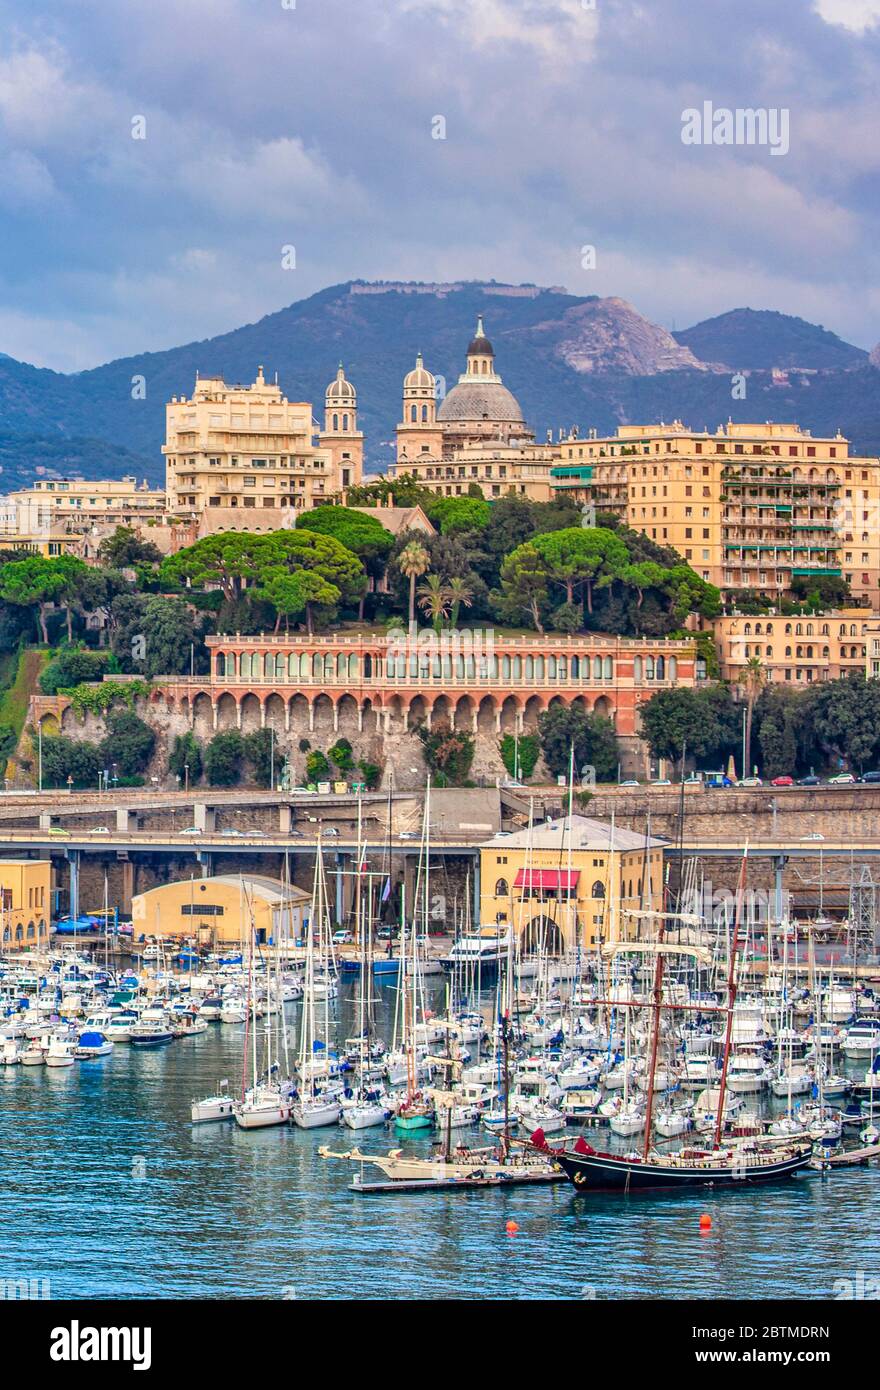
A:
{"points": [[388, 682], [57, 516], [750, 507], [795, 650], [222, 909], [475, 434], [573, 882], [245, 458], [25, 903]]}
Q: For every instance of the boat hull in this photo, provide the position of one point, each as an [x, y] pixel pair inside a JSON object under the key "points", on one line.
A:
{"points": [[605, 1173]]}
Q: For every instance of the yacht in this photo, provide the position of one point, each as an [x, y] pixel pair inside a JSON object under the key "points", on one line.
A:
{"points": [[484, 949]]}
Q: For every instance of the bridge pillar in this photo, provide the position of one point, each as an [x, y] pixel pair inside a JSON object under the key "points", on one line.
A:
{"points": [[45, 820], [285, 818], [126, 819], [205, 861], [73, 894], [204, 816]]}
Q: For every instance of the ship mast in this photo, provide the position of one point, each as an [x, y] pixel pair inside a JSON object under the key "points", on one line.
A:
{"points": [[731, 996]]}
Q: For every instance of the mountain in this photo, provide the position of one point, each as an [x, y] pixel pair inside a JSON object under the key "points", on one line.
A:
{"points": [[760, 339], [595, 362]]}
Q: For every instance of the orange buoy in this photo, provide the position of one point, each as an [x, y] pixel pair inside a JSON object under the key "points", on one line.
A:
{"points": [[705, 1222], [511, 1228]]}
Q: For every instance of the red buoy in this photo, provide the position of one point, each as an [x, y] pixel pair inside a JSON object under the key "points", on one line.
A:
{"points": [[705, 1222], [511, 1228]]}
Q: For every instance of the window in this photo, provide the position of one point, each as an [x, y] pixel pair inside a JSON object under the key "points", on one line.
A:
{"points": [[501, 888]]}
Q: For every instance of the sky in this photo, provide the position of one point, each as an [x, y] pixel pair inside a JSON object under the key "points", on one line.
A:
{"points": [[313, 125]]}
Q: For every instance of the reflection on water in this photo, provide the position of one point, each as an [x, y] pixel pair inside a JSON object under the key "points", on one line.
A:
{"points": [[109, 1192]]}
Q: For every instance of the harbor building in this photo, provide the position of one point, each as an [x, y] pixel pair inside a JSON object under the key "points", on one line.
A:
{"points": [[221, 910], [25, 902], [571, 882], [799, 650], [245, 458]]}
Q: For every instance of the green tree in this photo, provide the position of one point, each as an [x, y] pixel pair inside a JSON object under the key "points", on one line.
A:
{"points": [[340, 754], [261, 751], [581, 558], [185, 759], [155, 635], [65, 757], [317, 766], [453, 514], [520, 755], [125, 549], [72, 665], [434, 600], [413, 562], [359, 532], [223, 758], [524, 587], [128, 744], [447, 752], [591, 735], [34, 583]]}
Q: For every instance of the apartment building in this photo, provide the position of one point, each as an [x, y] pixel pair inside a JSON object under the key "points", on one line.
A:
{"points": [[247, 458], [797, 650], [749, 507]]}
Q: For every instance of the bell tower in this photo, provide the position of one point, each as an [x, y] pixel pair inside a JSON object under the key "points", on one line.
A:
{"points": [[341, 435]]}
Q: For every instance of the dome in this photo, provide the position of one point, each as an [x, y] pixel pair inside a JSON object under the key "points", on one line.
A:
{"points": [[419, 378], [479, 345], [481, 400], [341, 389]]}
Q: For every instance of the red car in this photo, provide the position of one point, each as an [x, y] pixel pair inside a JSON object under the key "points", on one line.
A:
{"points": [[782, 782]]}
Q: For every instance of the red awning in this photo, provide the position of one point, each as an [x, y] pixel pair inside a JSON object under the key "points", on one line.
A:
{"points": [[547, 878]]}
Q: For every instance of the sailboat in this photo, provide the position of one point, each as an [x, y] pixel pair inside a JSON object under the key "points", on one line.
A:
{"points": [[267, 1101], [365, 1108], [314, 1107], [748, 1161]]}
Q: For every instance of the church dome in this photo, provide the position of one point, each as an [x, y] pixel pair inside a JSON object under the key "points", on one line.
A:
{"points": [[341, 389], [481, 400], [419, 379]]}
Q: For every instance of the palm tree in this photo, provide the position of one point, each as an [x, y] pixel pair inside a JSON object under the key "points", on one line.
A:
{"points": [[461, 595], [434, 599], [752, 678], [413, 561]]}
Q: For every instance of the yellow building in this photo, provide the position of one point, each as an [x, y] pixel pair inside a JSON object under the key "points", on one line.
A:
{"points": [[244, 458], [799, 650], [752, 506], [25, 902], [220, 909], [571, 880]]}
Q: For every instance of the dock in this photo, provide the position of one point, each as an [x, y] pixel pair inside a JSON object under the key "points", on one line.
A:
{"points": [[850, 1158], [453, 1184]]}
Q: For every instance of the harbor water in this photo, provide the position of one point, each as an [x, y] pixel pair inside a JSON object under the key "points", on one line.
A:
{"points": [[109, 1191]]}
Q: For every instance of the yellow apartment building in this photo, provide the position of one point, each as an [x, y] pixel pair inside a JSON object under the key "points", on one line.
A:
{"points": [[25, 903], [749, 507], [245, 458], [571, 881], [797, 650]]}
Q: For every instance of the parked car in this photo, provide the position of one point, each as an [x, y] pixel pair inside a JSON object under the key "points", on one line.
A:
{"points": [[342, 938], [190, 830], [784, 781], [873, 776], [751, 782], [810, 781], [387, 933], [842, 779], [630, 782]]}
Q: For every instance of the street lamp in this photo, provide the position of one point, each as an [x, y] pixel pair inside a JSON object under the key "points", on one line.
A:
{"points": [[69, 783], [186, 776]]}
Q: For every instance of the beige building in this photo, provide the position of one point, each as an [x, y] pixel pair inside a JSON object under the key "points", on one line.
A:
{"points": [[221, 909], [575, 880], [245, 458], [749, 507], [70, 516], [798, 650], [475, 435], [25, 903]]}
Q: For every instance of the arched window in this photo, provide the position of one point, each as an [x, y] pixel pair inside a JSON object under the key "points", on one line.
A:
{"points": [[661, 668], [424, 414], [607, 667], [501, 888], [414, 413], [747, 630], [598, 890], [345, 422], [336, 422]]}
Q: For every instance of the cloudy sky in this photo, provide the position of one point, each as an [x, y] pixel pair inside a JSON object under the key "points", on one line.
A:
{"points": [[311, 123]]}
